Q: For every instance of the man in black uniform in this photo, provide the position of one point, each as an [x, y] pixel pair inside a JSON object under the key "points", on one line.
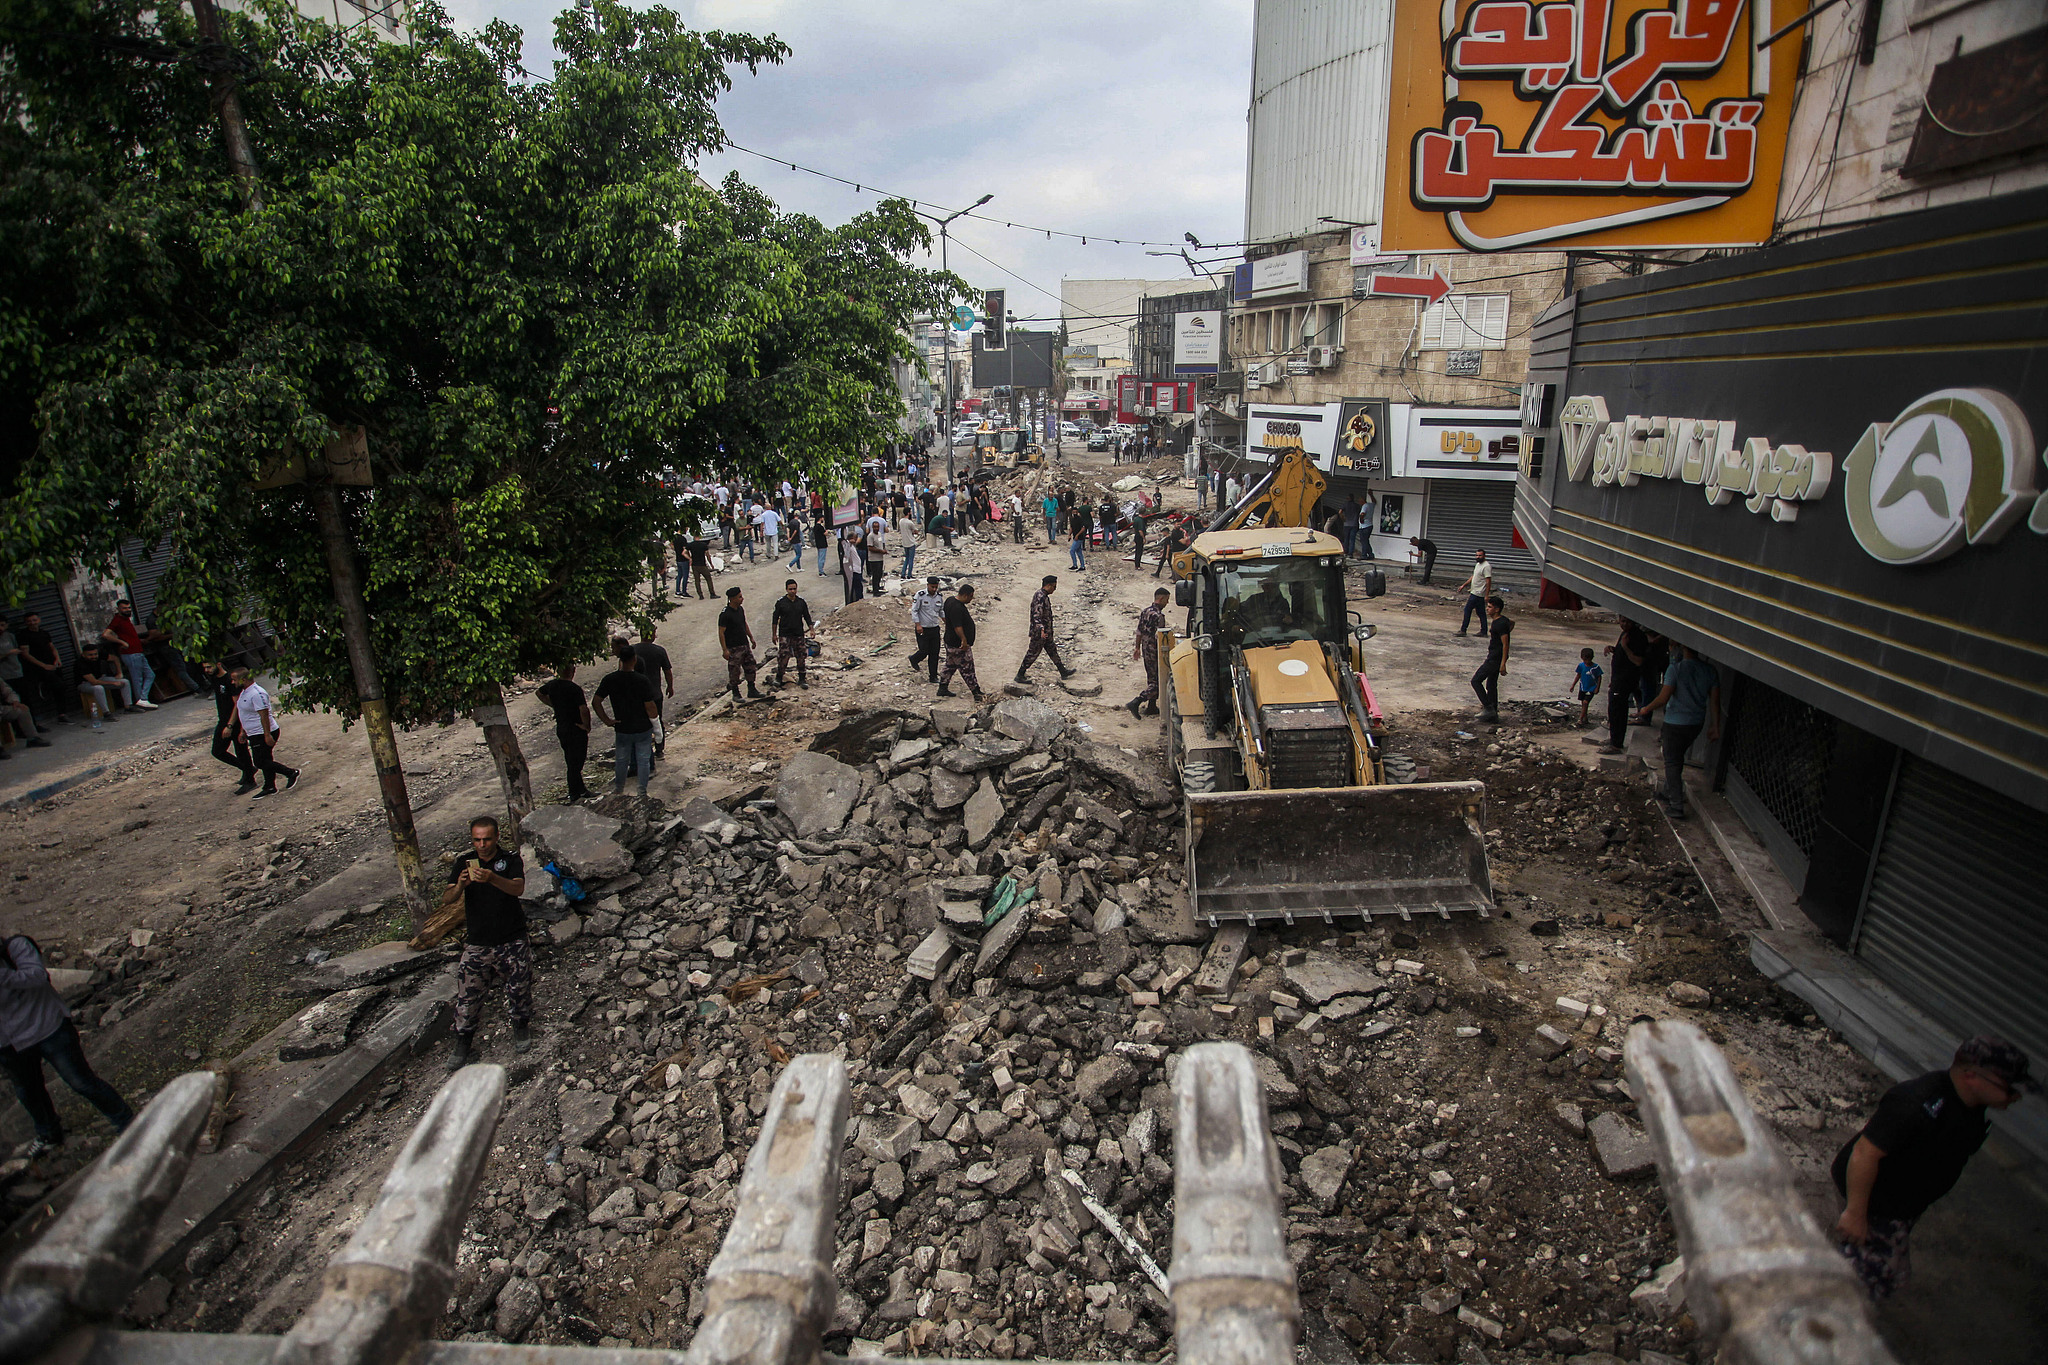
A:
{"points": [[42, 670], [1486, 680], [789, 623], [1913, 1151], [564, 696], [496, 953], [228, 745], [1631, 654], [959, 637]]}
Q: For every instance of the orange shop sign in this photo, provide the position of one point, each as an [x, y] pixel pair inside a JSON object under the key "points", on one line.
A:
{"points": [[1520, 124]]}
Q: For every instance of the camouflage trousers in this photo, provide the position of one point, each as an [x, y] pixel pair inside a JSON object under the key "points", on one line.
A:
{"points": [[1151, 658], [509, 965], [960, 661], [1883, 1260], [788, 649], [739, 663]]}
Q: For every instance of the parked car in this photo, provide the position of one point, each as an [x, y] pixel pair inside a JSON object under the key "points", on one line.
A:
{"points": [[1100, 439]]}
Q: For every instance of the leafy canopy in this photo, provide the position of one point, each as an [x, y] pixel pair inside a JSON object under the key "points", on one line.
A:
{"points": [[519, 288]]}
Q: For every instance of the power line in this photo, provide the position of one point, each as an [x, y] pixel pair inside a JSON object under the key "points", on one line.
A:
{"points": [[869, 187]]}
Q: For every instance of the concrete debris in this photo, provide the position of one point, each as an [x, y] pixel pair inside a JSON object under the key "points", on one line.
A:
{"points": [[580, 841], [1662, 1296], [1622, 1147], [816, 792]]}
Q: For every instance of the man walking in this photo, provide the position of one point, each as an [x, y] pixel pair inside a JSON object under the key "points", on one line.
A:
{"points": [[1077, 542], [700, 565], [1913, 1151], [1691, 699], [495, 952], [1476, 592], [35, 1027], [1428, 549], [790, 622], [959, 630], [1041, 630], [228, 745], [1151, 621], [1138, 540], [1486, 681], [878, 551], [654, 666], [928, 619], [259, 728], [736, 643], [127, 640], [906, 531], [1050, 505], [564, 696], [634, 704]]}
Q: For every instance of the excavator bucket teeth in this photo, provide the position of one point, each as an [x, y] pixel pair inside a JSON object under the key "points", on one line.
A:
{"points": [[1321, 852]]}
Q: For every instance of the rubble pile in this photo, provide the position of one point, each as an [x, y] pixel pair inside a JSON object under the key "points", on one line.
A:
{"points": [[982, 911]]}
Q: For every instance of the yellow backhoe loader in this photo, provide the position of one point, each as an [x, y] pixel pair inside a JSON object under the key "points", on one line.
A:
{"points": [[1274, 733]]}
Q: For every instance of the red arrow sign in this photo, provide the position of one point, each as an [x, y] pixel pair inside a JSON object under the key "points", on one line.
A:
{"points": [[1430, 287]]}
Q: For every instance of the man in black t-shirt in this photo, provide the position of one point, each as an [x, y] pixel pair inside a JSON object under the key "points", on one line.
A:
{"points": [[564, 696], [492, 879], [1486, 680], [1630, 653], [42, 670], [633, 702], [958, 633], [229, 745], [736, 641], [654, 666], [789, 623], [1913, 1151]]}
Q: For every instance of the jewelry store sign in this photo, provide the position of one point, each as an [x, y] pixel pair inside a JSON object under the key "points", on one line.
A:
{"points": [[1957, 467]]}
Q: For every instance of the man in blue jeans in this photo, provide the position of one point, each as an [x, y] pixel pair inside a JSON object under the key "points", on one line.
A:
{"points": [[634, 703], [35, 1028], [1692, 701]]}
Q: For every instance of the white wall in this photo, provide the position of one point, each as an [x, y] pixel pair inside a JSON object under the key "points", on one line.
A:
{"points": [[1853, 124], [1317, 125]]}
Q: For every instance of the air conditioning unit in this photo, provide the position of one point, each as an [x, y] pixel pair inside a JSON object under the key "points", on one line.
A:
{"points": [[1261, 376], [1323, 357]]}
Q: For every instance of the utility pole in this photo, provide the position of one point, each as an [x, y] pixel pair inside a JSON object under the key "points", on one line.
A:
{"points": [[327, 511], [944, 265]]}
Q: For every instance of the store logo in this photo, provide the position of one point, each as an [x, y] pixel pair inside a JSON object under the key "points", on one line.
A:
{"points": [[1955, 468]]}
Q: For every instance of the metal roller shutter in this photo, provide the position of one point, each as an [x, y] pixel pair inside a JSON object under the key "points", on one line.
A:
{"points": [[144, 569], [1474, 514], [1955, 919]]}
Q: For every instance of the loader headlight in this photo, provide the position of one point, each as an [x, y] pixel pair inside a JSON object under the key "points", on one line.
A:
{"points": [[1205, 642], [1365, 631]]}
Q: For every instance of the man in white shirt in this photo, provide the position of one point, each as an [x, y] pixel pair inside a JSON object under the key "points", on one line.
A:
{"points": [[878, 551], [907, 531], [770, 522], [259, 730], [1477, 590], [927, 618], [1017, 518]]}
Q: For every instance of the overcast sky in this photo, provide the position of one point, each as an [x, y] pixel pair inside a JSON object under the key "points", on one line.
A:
{"points": [[1124, 117]]}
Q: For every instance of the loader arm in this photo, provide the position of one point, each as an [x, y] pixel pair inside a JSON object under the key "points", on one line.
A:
{"points": [[1284, 497]]}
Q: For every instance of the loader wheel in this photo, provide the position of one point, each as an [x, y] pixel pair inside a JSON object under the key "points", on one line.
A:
{"points": [[1198, 778]]}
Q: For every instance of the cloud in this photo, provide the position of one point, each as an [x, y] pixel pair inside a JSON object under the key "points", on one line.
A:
{"points": [[1115, 117]]}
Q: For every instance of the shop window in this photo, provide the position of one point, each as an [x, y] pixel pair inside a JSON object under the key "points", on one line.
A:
{"points": [[1466, 322], [1393, 511]]}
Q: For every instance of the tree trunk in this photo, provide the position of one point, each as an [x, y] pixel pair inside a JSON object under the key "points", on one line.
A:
{"points": [[513, 774], [355, 629], [218, 63]]}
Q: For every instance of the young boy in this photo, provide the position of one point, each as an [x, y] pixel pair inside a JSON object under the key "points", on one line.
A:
{"points": [[1588, 683]]}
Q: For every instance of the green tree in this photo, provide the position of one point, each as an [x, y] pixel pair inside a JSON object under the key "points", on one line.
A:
{"points": [[519, 289]]}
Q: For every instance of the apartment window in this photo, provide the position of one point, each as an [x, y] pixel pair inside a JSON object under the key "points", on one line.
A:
{"points": [[1466, 322], [1326, 325]]}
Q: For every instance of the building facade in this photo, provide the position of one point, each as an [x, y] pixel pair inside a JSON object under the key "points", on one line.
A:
{"points": [[1820, 464]]}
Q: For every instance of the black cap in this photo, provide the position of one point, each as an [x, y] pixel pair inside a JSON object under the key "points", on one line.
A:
{"points": [[1996, 1057]]}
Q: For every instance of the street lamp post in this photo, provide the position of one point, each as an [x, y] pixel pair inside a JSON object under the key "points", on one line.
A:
{"points": [[944, 265]]}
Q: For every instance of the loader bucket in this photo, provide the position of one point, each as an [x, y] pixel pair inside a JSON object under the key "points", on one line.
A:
{"points": [[1321, 852]]}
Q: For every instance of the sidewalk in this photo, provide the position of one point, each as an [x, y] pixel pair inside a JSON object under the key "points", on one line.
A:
{"points": [[78, 752]]}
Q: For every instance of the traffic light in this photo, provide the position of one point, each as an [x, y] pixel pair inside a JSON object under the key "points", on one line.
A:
{"points": [[992, 320]]}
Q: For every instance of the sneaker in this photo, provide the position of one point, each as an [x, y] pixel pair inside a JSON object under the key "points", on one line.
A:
{"points": [[245, 788], [267, 791], [460, 1055], [41, 1147], [38, 742], [291, 779], [96, 724], [522, 1038], [145, 706]]}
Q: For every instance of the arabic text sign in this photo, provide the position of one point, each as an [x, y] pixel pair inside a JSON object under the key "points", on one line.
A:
{"points": [[1197, 341], [1520, 124]]}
